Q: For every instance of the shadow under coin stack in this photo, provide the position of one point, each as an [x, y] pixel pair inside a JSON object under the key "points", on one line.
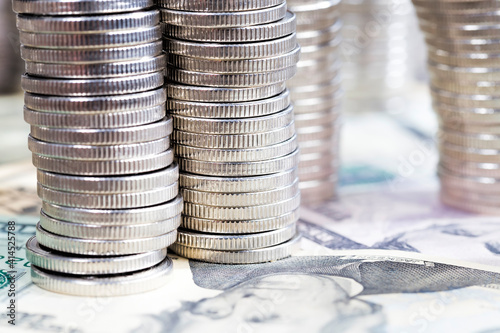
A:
{"points": [[464, 65], [234, 133], [316, 95], [100, 140]]}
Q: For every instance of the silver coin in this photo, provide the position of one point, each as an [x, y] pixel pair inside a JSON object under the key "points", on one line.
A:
{"points": [[223, 19], [464, 73], [109, 285], [229, 51], [313, 133], [316, 16], [316, 91], [99, 153], [95, 104], [463, 167], [234, 141], [92, 87], [237, 184], [104, 136], [318, 37], [215, 95], [464, 100], [230, 110], [104, 168], [242, 198], [463, 139], [108, 201], [93, 247], [105, 70], [111, 217], [91, 41], [258, 65], [54, 261], [114, 184], [240, 227], [235, 242], [470, 154], [317, 118], [461, 114], [88, 23], [234, 126], [272, 253], [218, 5], [246, 33], [315, 192], [318, 172], [320, 146], [92, 56], [95, 120], [484, 185], [238, 80], [237, 154], [239, 169], [76, 7], [466, 204], [242, 213], [105, 232], [320, 50], [464, 59]]}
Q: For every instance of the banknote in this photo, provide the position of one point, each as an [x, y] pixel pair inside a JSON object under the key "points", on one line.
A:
{"points": [[316, 290], [385, 257]]}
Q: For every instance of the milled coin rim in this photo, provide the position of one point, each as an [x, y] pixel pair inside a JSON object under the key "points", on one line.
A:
{"points": [[115, 285], [95, 120], [87, 23], [116, 216], [246, 33], [104, 168], [240, 227], [109, 200], [50, 260], [218, 5], [73, 7], [240, 169], [273, 253], [110, 184], [108, 232], [235, 242], [92, 247]]}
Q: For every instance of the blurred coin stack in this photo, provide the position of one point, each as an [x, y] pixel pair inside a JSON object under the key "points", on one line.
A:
{"points": [[464, 65], [100, 140], [378, 47], [234, 133], [316, 96], [11, 67]]}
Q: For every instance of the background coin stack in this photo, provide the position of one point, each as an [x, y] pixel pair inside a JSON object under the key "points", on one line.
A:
{"points": [[316, 96], [234, 133], [379, 50], [463, 60], [100, 140], [11, 66]]}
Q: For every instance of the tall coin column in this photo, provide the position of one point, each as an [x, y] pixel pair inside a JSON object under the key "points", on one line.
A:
{"points": [[234, 132], [463, 59], [316, 95], [100, 140]]}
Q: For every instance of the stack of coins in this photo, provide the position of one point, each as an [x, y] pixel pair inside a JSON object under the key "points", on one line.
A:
{"points": [[234, 132], [100, 140], [11, 67], [379, 40], [464, 66], [316, 95]]}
